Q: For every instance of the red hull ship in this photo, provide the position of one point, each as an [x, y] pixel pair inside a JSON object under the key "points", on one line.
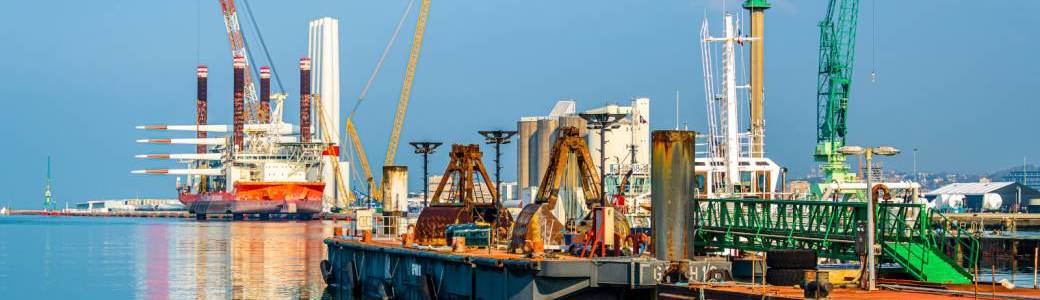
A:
{"points": [[302, 198]]}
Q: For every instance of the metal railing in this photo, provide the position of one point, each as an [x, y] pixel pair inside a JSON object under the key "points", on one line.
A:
{"points": [[829, 227], [381, 227]]}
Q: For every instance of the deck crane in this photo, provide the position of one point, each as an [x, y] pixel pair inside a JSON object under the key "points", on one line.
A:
{"points": [[402, 105], [238, 48], [837, 52]]}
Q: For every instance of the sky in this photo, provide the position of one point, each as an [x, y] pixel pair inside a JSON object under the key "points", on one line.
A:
{"points": [[956, 79]]}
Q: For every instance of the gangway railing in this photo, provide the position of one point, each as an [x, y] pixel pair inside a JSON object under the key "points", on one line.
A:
{"points": [[924, 242]]}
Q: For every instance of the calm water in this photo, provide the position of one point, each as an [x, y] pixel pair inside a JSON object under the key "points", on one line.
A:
{"points": [[124, 258]]}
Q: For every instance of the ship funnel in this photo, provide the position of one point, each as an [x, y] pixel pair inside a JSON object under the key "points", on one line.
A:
{"points": [[239, 88], [265, 95], [200, 105], [305, 100]]}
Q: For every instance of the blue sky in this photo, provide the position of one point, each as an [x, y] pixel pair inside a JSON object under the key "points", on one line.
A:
{"points": [[954, 77]]}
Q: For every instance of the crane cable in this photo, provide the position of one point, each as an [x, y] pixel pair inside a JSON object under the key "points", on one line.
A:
{"points": [[873, 40], [263, 45], [382, 58], [368, 84]]}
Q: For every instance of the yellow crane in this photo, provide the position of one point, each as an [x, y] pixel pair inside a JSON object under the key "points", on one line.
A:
{"points": [[406, 87], [402, 106], [344, 196]]}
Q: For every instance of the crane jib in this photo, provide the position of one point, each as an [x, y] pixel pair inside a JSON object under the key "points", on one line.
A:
{"points": [[837, 54]]}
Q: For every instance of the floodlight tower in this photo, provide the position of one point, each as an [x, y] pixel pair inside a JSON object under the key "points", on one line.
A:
{"points": [[498, 137], [425, 148], [603, 122]]}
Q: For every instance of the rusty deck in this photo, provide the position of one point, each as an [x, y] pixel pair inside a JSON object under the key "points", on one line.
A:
{"points": [[746, 291]]}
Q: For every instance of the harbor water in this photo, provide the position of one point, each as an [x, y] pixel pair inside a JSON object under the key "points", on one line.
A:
{"points": [[155, 258]]}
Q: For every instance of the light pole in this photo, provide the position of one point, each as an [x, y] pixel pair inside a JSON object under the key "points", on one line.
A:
{"points": [[916, 178], [868, 154], [425, 148], [498, 137], [603, 122]]}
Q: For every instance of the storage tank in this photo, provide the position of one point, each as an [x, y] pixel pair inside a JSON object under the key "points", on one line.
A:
{"points": [[545, 137], [992, 202], [395, 190], [575, 121], [526, 129]]}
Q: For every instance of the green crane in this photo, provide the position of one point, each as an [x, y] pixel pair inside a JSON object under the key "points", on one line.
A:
{"points": [[48, 203], [837, 50]]}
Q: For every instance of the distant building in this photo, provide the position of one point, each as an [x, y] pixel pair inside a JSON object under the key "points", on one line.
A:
{"points": [[130, 205], [627, 145], [535, 141], [1027, 178], [982, 197]]}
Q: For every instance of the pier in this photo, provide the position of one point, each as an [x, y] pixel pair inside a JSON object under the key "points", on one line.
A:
{"points": [[164, 214]]}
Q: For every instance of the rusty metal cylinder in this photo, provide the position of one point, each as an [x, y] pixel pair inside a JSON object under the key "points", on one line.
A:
{"points": [[264, 115], [239, 101], [202, 73], [395, 190], [305, 100], [672, 192]]}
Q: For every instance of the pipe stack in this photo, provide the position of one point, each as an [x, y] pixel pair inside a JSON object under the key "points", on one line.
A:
{"points": [[305, 100], [264, 115], [200, 105], [239, 88]]}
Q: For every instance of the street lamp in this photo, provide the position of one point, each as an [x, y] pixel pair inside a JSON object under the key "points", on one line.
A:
{"points": [[498, 137], [603, 122], [868, 154], [425, 148]]}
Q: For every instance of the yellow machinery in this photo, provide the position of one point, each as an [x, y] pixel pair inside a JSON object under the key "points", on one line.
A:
{"points": [[537, 223], [458, 200], [344, 196]]}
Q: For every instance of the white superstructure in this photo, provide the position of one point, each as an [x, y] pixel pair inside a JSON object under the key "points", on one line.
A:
{"points": [[628, 142]]}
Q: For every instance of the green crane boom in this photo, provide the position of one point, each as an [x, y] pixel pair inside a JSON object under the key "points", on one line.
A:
{"points": [[837, 50]]}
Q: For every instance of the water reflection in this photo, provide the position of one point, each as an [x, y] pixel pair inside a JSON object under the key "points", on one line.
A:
{"points": [[119, 258], [235, 260]]}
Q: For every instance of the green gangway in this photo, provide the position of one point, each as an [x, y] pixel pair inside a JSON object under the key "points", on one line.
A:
{"points": [[924, 242], [926, 264]]}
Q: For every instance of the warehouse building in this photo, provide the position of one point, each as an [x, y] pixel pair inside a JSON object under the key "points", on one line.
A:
{"points": [[984, 197]]}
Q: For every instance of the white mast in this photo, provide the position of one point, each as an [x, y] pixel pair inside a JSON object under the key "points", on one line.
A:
{"points": [[723, 117], [729, 81]]}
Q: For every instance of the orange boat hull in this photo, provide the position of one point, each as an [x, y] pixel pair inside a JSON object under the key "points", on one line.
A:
{"points": [[259, 198]]}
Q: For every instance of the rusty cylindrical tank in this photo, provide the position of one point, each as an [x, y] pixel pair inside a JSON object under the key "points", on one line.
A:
{"points": [[264, 115], [239, 100], [672, 190], [395, 190], [305, 100], [202, 73]]}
